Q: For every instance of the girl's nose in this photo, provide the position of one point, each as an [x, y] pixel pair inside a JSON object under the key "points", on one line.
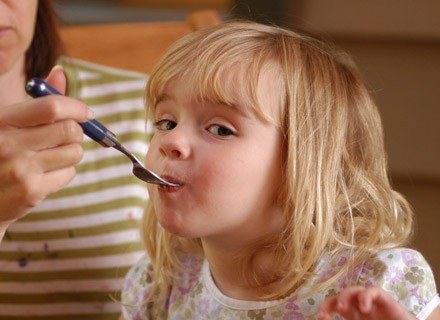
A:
{"points": [[175, 145]]}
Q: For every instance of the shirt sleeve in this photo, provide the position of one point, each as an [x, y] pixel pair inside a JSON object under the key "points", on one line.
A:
{"points": [[406, 276]]}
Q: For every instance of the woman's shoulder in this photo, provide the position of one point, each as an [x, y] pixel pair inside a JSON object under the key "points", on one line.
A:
{"points": [[95, 68], [86, 79], [405, 274]]}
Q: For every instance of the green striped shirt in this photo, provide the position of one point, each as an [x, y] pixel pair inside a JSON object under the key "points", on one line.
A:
{"points": [[67, 259]]}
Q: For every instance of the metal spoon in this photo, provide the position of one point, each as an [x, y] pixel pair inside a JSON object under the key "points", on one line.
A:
{"points": [[37, 87]]}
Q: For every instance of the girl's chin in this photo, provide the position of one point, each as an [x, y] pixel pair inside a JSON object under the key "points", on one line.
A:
{"points": [[178, 229], [172, 224]]}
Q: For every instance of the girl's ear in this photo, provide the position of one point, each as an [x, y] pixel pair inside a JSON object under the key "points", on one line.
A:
{"points": [[57, 79]]}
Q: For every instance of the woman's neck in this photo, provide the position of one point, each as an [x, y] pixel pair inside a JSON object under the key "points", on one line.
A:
{"points": [[12, 83]]}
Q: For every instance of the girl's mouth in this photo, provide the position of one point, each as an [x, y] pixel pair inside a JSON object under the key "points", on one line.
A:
{"points": [[4, 30], [171, 188]]}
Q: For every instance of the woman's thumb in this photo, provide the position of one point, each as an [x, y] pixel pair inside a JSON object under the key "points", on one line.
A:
{"points": [[57, 79]]}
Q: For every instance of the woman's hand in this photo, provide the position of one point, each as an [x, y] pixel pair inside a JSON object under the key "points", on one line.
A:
{"points": [[39, 146], [364, 303]]}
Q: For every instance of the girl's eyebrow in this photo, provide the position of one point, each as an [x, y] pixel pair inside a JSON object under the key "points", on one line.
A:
{"points": [[162, 97], [237, 109]]}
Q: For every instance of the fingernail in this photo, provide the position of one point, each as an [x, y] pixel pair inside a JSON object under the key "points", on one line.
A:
{"points": [[57, 67], [90, 114]]}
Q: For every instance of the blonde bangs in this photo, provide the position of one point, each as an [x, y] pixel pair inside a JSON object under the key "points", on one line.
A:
{"points": [[216, 71]]}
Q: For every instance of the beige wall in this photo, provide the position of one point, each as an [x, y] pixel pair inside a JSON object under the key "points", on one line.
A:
{"points": [[396, 43]]}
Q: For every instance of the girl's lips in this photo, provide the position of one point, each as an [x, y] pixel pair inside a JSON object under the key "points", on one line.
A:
{"points": [[5, 27], [169, 189], [4, 30], [172, 180]]}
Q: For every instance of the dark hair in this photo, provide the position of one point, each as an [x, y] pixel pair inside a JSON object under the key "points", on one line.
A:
{"points": [[46, 45]]}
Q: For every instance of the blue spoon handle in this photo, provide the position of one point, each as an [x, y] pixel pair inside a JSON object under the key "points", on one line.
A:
{"points": [[37, 87]]}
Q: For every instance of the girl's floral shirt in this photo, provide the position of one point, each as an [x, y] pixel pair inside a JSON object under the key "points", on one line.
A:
{"points": [[403, 273]]}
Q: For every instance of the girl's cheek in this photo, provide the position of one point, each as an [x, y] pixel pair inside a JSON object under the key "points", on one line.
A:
{"points": [[148, 156], [150, 152], [153, 151]]}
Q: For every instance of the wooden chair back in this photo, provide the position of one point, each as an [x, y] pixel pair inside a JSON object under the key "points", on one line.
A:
{"points": [[132, 46]]}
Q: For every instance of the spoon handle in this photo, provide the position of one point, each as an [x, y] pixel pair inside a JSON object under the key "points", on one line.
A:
{"points": [[37, 87]]}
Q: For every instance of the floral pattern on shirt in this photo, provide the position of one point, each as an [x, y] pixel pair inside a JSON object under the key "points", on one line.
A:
{"points": [[402, 272]]}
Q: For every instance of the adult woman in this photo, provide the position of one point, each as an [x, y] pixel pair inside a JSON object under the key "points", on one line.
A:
{"points": [[68, 252]]}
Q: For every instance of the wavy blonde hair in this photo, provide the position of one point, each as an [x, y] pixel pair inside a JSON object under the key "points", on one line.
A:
{"points": [[336, 193]]}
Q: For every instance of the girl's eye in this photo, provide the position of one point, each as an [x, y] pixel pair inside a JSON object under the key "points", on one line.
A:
{"points": [[165, 125], [220, 130]]}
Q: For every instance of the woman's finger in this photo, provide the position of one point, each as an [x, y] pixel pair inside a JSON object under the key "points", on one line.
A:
{"points": [[21, 191], [44, 110], [58, 178], [58, 158], [47, 136], [57, 79]]}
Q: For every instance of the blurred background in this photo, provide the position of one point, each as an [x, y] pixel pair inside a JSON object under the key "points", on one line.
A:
{"points": [[396, 43]]}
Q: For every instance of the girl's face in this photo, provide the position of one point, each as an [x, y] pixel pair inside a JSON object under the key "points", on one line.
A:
{"points": [[227, 161], [17, 22]]}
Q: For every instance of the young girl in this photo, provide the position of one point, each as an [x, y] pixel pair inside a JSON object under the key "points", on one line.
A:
{"points": [[283, 197]]}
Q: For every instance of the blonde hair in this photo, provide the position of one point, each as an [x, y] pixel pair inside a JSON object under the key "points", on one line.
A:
{"points": [[336, 193]]}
